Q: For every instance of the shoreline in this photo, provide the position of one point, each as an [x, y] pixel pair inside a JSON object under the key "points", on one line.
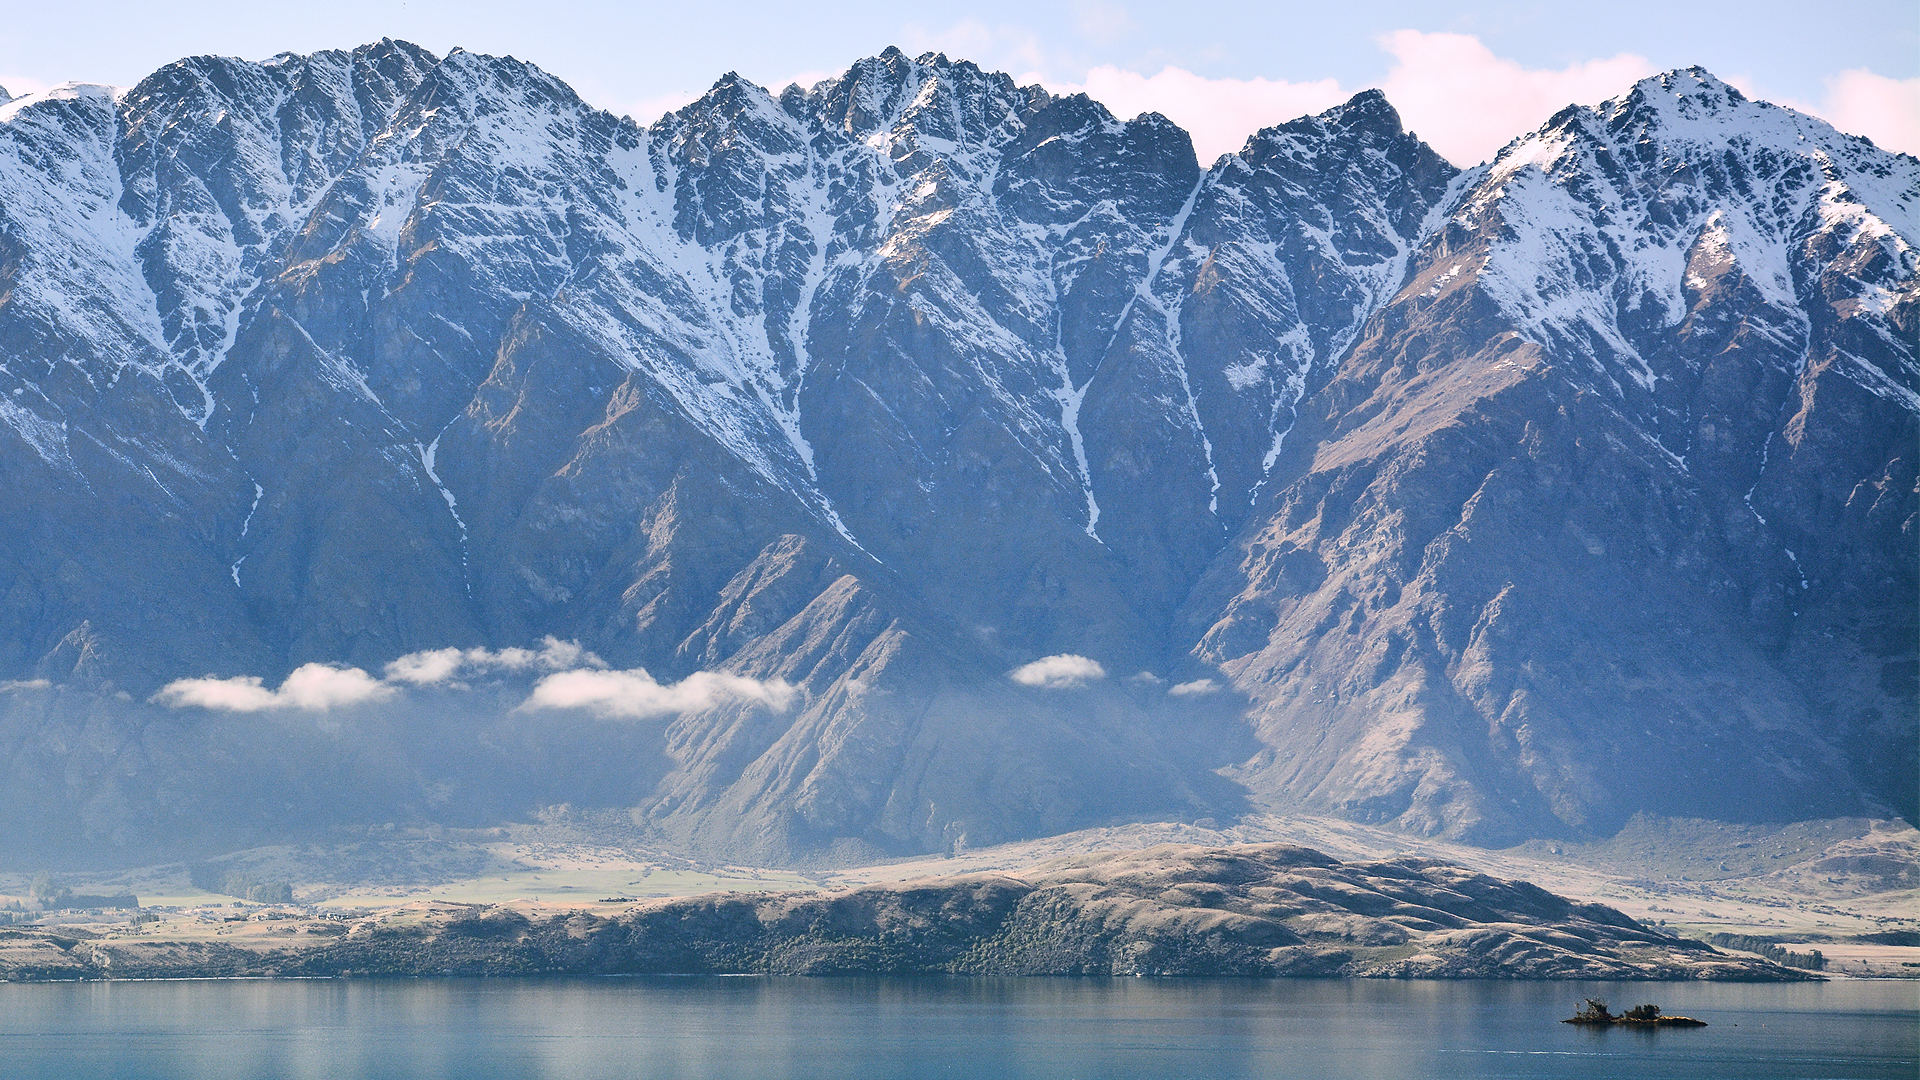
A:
{"points": [[383, 977]]}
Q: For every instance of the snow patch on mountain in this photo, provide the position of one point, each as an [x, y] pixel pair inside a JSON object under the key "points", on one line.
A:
{"points": [[78, 286], [1595, 217]]}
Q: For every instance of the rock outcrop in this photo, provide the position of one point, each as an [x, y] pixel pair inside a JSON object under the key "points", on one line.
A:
{"points": [[1261, 910]]}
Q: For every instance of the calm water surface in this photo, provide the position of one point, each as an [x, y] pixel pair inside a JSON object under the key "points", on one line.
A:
{"points": [[939, 1027]]}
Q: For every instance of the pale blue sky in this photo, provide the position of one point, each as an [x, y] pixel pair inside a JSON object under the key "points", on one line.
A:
{"points": [[638, 57]]}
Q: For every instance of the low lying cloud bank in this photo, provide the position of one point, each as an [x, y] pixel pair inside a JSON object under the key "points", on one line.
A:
{"points": [[635, 694], [574, 679], [1062, 672], [437, 666], [311, 687]]}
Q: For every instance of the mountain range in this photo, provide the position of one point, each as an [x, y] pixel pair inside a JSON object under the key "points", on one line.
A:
{"points": [[917, 461]]}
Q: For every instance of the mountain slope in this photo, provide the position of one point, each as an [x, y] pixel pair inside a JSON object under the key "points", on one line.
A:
{"points": [[1439, 494], [1575, 526], [1265, 909]]}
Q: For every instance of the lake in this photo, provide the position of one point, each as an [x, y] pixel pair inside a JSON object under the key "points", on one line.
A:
{"points": [[790, 1027]]}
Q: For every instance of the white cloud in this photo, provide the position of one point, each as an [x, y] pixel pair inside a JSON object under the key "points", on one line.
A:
{"points": [[1885, 110], [242, 693], [25, 684], [1196, 688], [1218, 113], [574, 679], [1062, 672], [436, 666], [1467, 103], [1450, 89], [637, 694], [319, 687], [427, 668], [311, 687]]}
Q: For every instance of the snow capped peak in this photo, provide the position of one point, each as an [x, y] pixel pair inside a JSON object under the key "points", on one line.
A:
{"points": [[1681, 164], [479, 74], [1366, 125], [733, 106], [930, 94], [1691, 106], [387, 49], [867, 97], [1151, 121], [73, 91], [698, 250], [401, 345], [1367, 116], [1694, 87], [1368, 109]]}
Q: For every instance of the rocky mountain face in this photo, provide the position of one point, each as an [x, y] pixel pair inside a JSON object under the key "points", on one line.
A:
{"points": [[1614, 501], [1494, 503]]}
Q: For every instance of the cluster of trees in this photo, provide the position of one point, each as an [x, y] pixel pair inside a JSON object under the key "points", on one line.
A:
{"points": [[50, 895], [1811, 960], [1597, 1012], [228, 882]]}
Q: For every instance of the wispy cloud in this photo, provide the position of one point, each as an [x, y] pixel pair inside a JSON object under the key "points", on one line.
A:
{"points": [[1467, 103], [311, 687], [1450, 88], [1883, 109], [1196, 688], [438, 666], [1062, 672], [636, 694], [572, 678]]}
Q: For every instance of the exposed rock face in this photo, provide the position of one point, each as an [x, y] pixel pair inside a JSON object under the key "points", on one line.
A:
{"points": [[1498, 503], [1572, 528], [1271, 910]]}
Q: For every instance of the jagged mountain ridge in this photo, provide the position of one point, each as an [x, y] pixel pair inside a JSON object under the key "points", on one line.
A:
{"points": [[888, 385], [1637, 452]]}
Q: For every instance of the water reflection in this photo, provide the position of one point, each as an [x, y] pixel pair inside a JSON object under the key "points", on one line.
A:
{"points": [[940, 1027]]}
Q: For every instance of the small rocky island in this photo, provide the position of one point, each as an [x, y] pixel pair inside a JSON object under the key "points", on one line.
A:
{"points": [[1253, 910], [1596, 1014]]}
